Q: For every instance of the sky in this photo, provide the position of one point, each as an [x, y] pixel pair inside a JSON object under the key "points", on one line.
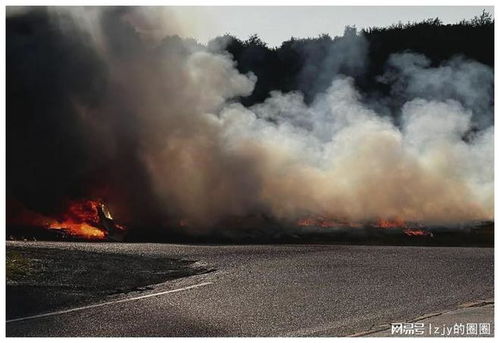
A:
{"points": [[277, 24]]}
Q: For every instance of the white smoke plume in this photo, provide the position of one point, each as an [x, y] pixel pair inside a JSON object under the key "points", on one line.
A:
{"points": [[467, 81], [338, 158]]}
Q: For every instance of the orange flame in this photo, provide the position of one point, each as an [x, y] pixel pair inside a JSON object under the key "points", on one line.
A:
{"points": [[87, 219], [81, 219], [417, 232], [83, 230], [391, 223]]}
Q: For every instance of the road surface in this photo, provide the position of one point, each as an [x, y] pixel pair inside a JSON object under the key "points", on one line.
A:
{"points": [[294, 290]]}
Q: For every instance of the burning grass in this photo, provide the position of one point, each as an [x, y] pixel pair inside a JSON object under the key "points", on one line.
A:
{"points": [[409, 229], [82, 219]]}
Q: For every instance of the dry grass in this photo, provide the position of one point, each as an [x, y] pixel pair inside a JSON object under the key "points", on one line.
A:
{"points": [[17, 266]]}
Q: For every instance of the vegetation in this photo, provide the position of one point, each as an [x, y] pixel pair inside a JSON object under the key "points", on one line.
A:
{"points": [[17, 266], [295, 65]]}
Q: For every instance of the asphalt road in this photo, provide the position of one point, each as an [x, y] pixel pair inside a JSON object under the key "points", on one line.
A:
{"points": [[309, 290]]}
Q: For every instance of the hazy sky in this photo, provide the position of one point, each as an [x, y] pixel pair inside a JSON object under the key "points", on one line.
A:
{"points": [[276, 24]]}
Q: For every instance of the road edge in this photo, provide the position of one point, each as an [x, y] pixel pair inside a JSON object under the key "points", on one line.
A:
{"points": [[387, 326]]}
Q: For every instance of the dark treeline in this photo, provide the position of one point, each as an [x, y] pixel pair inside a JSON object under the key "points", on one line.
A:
{"points": [[308, 65]]}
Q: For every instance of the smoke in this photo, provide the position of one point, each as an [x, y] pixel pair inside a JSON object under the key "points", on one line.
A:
{"points": [[340, 159], [326, 58], [469, 82], [127, 111]]}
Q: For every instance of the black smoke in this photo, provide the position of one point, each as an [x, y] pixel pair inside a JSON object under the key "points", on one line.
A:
{"points": [[49, 71], [56, 77]]}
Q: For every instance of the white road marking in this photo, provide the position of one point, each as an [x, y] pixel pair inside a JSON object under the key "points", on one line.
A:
{"points": [[108, 303]]}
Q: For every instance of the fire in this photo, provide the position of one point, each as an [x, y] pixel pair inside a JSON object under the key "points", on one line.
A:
{"points": [[83, 230], [417, 232], [316, 221], [81, 219], [391, 223], [409, 229], [87, 219]]}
